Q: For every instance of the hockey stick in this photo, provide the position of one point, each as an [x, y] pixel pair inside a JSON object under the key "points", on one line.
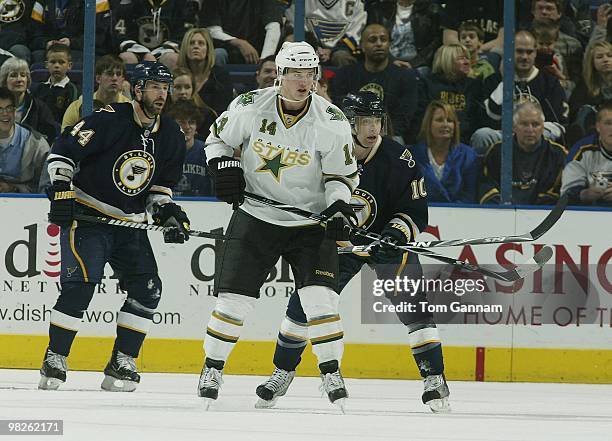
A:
{"points": [[541, 229], [139, 226], [532, 265]]}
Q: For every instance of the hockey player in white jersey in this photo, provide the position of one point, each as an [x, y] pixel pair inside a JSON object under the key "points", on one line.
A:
{"points": [[296, 148]]}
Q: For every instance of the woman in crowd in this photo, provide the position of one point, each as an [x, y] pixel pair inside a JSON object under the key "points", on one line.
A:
{"points": [[183, 90], [31, 112], [449, 83], [593, 90], [450, 167], [212, 83]]}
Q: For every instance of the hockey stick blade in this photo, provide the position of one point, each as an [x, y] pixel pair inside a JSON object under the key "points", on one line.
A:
{"points": [[139, 226]]}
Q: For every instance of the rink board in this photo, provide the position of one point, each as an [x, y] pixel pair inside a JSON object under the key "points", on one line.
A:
{"points": [[28, 289]]}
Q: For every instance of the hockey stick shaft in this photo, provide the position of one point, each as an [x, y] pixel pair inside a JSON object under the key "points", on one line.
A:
{"points": [[508, 276], [140, 226]]}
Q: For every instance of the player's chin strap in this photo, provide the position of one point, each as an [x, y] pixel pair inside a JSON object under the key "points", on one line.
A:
{"points": [[144, 110], [532, 265], [277, 85]]}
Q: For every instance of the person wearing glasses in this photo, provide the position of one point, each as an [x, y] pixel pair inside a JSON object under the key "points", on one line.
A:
{"points": [[110, 75], [22, 152]]}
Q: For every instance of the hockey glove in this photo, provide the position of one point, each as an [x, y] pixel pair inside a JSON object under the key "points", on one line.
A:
{"points": [[62, 203], [173, 216], [395, 233], [229, 180], [341, 218]]}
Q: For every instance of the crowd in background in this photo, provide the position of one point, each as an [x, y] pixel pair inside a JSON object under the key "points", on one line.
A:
{"points": [[437, 65]]}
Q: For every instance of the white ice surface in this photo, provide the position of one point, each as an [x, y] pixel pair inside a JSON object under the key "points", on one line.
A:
{"points": [[165, 407]]}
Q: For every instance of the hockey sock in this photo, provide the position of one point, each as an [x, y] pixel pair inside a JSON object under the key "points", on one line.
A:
{"points": [[62, 331], [225, 325], [133, 323], [426, 347], [66, 315], [324, 326], [290, 344]]}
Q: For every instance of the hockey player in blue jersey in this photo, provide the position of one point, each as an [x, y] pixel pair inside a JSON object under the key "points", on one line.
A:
{"points": [[392, 191], [119, 162]]}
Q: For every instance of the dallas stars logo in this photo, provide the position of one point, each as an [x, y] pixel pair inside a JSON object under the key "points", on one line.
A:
{"points": [[274, 165], [247, 98], [336, 114]]}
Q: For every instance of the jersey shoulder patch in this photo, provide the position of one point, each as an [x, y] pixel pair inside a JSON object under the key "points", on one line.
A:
{"points": [[336, 114], [407, 156], [247, 98]]}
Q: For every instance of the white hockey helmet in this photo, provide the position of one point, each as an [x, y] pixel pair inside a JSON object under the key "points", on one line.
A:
{"points": [[297, 55]]}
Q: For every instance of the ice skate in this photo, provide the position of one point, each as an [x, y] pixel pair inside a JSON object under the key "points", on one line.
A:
{"points": [[53, 371], [275, 387], [120, 374], [333, 385], [436, 393], [211, 380]]}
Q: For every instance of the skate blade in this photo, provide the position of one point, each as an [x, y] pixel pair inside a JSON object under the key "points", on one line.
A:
{"points": [[340, 403], [264, 404], [112, 384], [439, 405], [49, 383]]}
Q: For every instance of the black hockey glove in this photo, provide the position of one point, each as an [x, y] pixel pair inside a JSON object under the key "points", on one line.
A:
{"points": [[341, 218], [173, 216], [395, 233], [229, 180], [62, 203]]}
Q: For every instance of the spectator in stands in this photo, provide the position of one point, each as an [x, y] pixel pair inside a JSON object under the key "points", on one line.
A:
{"points": [[150, 30], [449, 82], [471, 36], [14, 26], [547, 57], [23, 152], [58, 91], [323, 88], [212, 83], [414, 26], [333, 28], [601, 29], [243, 31], [31, 112], [587, 179], [530, 84], [196, 180], [183, 90], [265, 75], [487, 14], [537, 162], [62, 22], [594, 89], [551, 11], [110, 74], [397, 87], [450, 168]]}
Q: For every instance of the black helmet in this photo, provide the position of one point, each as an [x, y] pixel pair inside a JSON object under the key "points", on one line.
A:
{"points": [[362, 104], [150, 71]]}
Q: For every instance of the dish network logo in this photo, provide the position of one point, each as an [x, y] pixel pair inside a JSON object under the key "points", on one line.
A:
{"points": [[18, 266]]}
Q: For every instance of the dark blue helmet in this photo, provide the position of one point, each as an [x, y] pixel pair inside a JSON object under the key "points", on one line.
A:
{"points": [[362, 104], [150, 71]]}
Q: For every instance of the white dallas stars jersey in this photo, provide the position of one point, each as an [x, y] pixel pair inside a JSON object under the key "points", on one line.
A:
{"points": [[305, 160]]}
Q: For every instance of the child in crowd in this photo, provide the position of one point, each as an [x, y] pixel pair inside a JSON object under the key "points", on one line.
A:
{"points": [[547, 59], [58, 91], [472, 37]]}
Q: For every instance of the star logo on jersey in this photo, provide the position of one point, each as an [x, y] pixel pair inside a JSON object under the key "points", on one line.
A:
{"points": [[336, 114], [247, 98], [274, 165]]}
